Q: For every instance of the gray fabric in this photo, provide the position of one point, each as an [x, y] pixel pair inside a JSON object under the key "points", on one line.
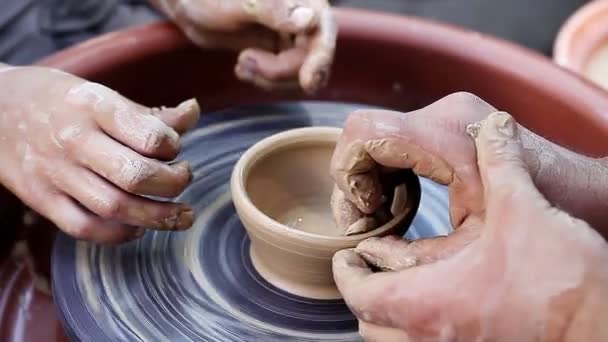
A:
{"points": [[32, 29]]}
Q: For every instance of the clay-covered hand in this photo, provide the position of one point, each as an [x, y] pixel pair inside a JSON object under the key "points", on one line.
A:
{"points": [[283, 43], [433, 141], [534, 273], [83, 156]]}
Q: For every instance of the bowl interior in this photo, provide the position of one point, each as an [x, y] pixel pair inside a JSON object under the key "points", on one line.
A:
{"points": [[581, 43], [292, 185]]}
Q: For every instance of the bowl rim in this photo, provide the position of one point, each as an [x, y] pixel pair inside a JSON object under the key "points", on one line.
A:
{"points": [[566, 39], [276, 143], [493, 54]]}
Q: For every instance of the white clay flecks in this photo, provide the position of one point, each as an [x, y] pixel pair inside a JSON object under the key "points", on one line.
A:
{"points": [[68, 134], [90, 93], [302, 17], [133, 171], [147, 131], [250, 6]]}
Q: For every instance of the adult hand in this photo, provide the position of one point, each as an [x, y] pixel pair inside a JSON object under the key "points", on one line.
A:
{"points": [[81, 155], [282, 43], [533, 273], [434, 143]]}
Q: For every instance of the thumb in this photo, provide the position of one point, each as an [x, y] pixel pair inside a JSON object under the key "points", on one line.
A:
{"points": [[416, 300], [504, 173]]}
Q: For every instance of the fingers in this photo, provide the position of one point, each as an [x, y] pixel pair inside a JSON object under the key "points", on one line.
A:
{"points": [[407, 300], [81, 224], [376, 333], [128, 170], [111, 203], [503, 170], [393, 253], [250, 37], [181, 118], [356, 174], [349, 269], [144, 133], [432, 141], [315, 70], [131, 123], [284, 16], [264, 68], [317, 31], [346, 214]]}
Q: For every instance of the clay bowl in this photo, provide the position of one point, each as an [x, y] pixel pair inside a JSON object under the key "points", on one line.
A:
{"points": [[386, 60], [281, 189], [583, 41]]}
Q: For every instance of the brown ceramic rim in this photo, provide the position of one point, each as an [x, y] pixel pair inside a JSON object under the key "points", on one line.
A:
{"points": [[279, 142], [581, 35], [532, 75]]}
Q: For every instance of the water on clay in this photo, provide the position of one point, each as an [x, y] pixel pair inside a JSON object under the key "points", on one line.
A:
{"points": [[300, 184], [200, 284], [311, 217], [597, 67]]}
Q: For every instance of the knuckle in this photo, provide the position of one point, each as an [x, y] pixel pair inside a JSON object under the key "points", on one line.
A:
{"points": [[69, 138], [464, 97], [110, 208], [467, 102], [83, 230], [134, 174], [152, 142], [355, 118]]}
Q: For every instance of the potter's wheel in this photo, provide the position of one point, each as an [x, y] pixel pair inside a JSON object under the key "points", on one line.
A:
{"points": [[200, 284]]}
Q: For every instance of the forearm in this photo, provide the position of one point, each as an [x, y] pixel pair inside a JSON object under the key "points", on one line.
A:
{"points": [[572, 182]]}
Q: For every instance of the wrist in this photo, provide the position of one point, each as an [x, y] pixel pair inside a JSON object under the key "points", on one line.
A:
{"points": [[573, 182]]}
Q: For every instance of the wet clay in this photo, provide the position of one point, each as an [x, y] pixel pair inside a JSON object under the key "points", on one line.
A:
{"points": [[293, 187], [281, 188], [372, 194]]}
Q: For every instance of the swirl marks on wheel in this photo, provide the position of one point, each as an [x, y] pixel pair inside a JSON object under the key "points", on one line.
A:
{"points": [[200, 284]]}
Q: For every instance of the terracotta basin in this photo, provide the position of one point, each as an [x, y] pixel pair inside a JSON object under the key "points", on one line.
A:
{"points": [[386, 60], [582, 37]]}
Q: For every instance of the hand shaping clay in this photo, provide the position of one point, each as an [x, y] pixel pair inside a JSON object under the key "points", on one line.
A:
{"points": [[369, 201], [281, 188]]}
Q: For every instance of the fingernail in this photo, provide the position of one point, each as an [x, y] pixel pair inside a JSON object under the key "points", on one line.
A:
{"points": [[139, 232], [247, 68], [369, 258], [362, 225], [185, 219], [184, 166], [302, 17], [189, 106], [503, 124]]}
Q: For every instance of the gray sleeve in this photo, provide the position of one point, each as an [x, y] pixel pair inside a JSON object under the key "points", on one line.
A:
{"points": [[33, 29]]}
